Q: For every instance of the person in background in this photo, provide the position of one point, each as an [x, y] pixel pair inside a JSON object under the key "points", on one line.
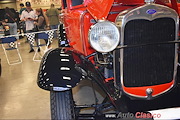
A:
{"points": [[53, 16], [29, 16], [41, 23], [60, 16], [22, 8], [10, 20], [22, 25], [1, 30]]}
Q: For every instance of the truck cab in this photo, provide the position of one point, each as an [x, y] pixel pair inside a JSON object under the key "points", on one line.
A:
{"points": [[128, 48]]}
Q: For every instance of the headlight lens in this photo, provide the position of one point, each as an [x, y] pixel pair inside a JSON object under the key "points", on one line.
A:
{"points": [[104, 36]]}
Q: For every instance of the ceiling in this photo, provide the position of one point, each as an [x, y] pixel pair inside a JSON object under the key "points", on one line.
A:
{"points": [[7, 1]]}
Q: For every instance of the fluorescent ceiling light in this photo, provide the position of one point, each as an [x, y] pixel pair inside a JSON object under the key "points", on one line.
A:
{"points": [[7, 1]]}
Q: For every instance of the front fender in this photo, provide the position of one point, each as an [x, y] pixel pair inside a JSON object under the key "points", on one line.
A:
{"points": [[62, 69], [58, 71]]}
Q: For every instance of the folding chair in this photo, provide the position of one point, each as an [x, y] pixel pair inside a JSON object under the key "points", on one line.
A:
{"points": [[41, 36], [11, 45]]}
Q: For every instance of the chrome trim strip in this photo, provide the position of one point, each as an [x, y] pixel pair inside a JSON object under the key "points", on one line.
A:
{"points": [[113, 12], [82, 30]]}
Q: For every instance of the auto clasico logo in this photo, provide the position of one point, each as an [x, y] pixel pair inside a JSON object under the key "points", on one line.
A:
{"points": [[147, 115], [129, 115]]}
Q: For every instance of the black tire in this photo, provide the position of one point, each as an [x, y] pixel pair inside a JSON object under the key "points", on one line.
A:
{"points": [[62, 105]]}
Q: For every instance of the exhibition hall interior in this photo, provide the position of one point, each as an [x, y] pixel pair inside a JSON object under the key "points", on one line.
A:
{"points": [[20, 96], [89, 60]]}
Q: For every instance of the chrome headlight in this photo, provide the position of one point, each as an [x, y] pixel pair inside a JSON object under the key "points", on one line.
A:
{"points": [[104, 36]]}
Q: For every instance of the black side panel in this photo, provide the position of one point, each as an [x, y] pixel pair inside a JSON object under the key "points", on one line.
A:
{"points": [[151, 64], [117, 72]]}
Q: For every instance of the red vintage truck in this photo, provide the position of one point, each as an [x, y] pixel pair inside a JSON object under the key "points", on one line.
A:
{"points": [[129, 48]]}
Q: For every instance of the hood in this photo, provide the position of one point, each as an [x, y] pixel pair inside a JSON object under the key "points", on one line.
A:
{"points": [[99, 9]]}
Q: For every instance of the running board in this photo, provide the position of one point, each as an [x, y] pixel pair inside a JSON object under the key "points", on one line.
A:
{"points": [[97, 117], [113, 116]]}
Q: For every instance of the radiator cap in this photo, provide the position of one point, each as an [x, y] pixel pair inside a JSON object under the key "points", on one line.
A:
{"points": [[149, 1]]}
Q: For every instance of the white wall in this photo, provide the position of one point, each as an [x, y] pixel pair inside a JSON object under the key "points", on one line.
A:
{"points": [[44, 4], [10, 5]]}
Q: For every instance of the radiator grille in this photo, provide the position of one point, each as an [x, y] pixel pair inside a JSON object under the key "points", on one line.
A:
{"points": [[151, 64]]}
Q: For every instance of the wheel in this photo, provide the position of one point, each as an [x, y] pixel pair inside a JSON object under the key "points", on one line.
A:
{"points": [[62, 105]]}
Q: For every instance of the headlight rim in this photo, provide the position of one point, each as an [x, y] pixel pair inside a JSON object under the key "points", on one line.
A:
{"points": [[100, 22]]}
